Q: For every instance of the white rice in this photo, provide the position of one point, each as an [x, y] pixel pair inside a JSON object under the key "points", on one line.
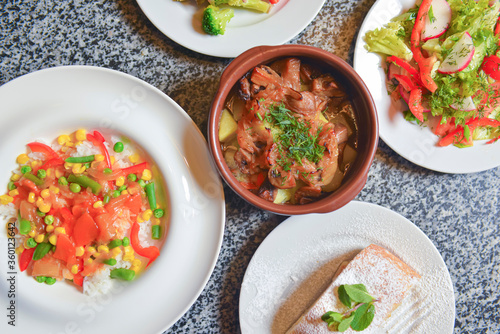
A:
{"points": [[8, 211], [85, 148], [100, 282]]}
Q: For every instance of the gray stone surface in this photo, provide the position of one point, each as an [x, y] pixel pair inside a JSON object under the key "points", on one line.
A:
{"points": [[459, 213]]}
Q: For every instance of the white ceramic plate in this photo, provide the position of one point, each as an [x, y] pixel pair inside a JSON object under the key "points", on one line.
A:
{"points": [[415, 143], [47, 103], [181, 22], [297, 260]]}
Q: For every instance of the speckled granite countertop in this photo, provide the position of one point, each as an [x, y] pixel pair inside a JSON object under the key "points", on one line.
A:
{"points": [[459, 213]]}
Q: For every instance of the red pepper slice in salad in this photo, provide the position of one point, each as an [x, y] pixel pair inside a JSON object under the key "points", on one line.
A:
{"points": [[44, 149], [457, 136], [491, 66], [415, 104], [25, 258], [151, 252]]}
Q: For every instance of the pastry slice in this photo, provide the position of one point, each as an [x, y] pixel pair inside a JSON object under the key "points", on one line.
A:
{"points": [[386, 278]]}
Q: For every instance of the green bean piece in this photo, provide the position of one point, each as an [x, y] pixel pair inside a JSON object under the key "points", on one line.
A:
{"points": [[110, 262], [25, 169], [33, 178], [116, 193], [50, 280], [86, 182], [87, 165], [158, 213], [150, 192], [106, 199], [11, 186], [40, 279], [122, 273], [42, 173], [31, 243], [75, 187], [107, 171], [141, 183], [62, 181], [156, 232], [40, 213], [126, 242], [118, 148], [48, 220], [80, 160], [114, 243], [24, 226], [132, 177], [41, 250]]}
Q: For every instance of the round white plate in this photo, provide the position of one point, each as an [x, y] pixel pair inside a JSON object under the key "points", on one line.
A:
{"points": [[47, 103], [181, 22], [415, 143], [298, 259]]}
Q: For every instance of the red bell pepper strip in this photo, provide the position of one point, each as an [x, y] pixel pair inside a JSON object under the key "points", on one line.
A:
{"points": [[497, 28], [135, 169], [406, 66], [78, 279], [415, 38], [491, 66], [406, 82], [151, 252], [25, 258], [53, 162], [472, 124], [44, 149], [274, 1], [98, 140], [415, 104]]}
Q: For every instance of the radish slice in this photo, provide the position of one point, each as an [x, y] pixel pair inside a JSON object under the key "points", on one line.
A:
{"points": [[466, 104], [459, 57], [440, 21]]}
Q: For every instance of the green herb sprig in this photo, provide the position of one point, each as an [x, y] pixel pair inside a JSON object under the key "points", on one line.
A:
{"points": [[361, 309]]}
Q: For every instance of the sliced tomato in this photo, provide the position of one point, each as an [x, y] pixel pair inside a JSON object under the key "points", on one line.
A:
{"points": [[442, 129], [78, 279], [85, 230], [491, 66], [65, 249], [415, 104]]}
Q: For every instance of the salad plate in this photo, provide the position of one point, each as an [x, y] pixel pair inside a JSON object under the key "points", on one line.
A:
{"points": [[181, 22], [413, 142], [298, 259], [44, 104]]}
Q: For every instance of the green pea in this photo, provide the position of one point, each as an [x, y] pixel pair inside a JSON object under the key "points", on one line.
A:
{"points": [[40, 279], [31, 243], [75, 187], [122, 188], [87, 165], [49, 220], [42, 173], [25, 169], [126, 242], [122, 273], [40, 213], [50, 280], [132, 177], [106, 199], [11, 186], [107, 171], [158, 213], [116, 193], [24, 226], [41, 250], [156, 232], [118, 148], [142, 183], [62, 181], [110, 262], [114, 243]]}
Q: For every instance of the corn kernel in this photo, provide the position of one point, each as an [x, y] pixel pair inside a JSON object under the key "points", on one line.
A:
{"points": [[97, 204], [78, 143], [74, 269], [59, 230], [45, 208], [97, 255], [133, 158], [36, 163], [53, 239], [59, 173], [112, 160], [135, 268], [79, 251], [68, 165], [81, 134], [39, 238], [136, 263], [78, 168], [22, 159], [32, 233], [54, 189], [129, 253], [6, 199], [155, 221], [91, 250], [49, 228], [146, 175], [19, 249], [39, 201], [139, 219], [63, 139], [64, 149], [45, 193], [14, 192], [124, 192], [49, 172], [70, 144], [103, 249], [89, 261], [115, 251], [146, 215], [120, 181], [15, 177], [99, 157]]}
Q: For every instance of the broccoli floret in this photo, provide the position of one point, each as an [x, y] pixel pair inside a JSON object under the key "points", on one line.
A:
{"points": [[258, 5], [215, 19]]}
